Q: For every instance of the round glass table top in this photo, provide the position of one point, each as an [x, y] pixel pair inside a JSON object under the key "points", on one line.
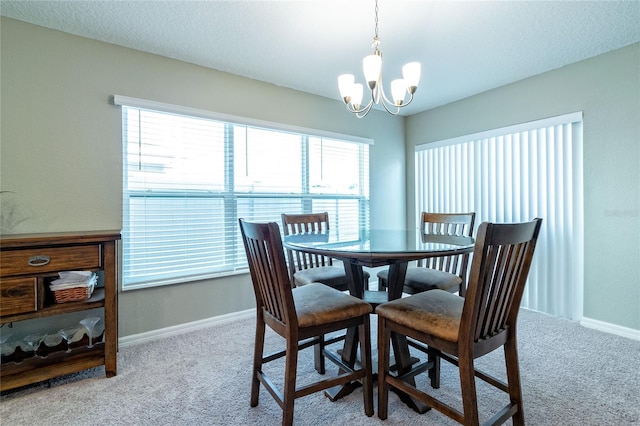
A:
{"points": [[379, 242]]}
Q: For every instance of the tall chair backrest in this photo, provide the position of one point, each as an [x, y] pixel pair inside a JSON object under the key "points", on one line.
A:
{"points": [[314, 223], [499, 270], [449, 224], [271, 285]]}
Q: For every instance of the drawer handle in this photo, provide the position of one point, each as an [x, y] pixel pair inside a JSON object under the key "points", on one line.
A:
{"points": [[39, 260]]}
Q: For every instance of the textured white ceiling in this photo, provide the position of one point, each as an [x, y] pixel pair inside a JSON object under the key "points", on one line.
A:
{"points": [[465, 47]]}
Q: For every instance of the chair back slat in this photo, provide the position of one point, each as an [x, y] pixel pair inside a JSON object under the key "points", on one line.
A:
{"points": [[314, 223], [265, 255], [501, 262]]}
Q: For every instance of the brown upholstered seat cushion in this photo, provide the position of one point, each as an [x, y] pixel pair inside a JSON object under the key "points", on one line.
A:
{"points": [[434, 312], [333, 276], [319, 304], [421, 279]]}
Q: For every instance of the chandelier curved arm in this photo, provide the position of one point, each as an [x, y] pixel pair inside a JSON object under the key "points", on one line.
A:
{"points": [[386, 101], [378, 97], [360, 112]]}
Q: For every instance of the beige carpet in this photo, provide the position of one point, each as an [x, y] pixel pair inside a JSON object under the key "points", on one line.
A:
{"points": [[571, 375]]}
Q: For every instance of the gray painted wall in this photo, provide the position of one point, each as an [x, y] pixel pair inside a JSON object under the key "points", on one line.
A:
{"points": [[607, 89]]}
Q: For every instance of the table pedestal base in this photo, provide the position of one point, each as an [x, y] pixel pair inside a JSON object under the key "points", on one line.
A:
{"points": [[337, 392]]}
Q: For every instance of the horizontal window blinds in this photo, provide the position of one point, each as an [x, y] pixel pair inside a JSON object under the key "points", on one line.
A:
{"points": [[188, 178], [512, 175]]}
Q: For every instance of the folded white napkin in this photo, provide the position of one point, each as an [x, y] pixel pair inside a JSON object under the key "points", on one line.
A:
{"points": [[73, 279]]}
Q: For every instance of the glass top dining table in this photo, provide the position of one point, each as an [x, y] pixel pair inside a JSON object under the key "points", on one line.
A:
{"points": [[375, 248], [379, 247]]}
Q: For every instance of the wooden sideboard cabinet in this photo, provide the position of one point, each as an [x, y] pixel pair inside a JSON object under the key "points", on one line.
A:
{"points": [[28, 263]]}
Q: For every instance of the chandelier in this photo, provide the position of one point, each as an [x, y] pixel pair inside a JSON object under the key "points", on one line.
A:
{"points": [[352, 92]]}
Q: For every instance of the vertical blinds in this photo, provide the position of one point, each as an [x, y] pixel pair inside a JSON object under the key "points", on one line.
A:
{"points": [[515, 174], [189, 177]]}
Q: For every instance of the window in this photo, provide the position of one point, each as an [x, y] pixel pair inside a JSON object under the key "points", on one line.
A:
{"points": [[189, 175], [515, 174]]}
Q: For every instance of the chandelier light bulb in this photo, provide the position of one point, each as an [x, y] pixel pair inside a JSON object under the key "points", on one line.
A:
{"points": [[372, 66], [398, 90], [345, 85], [356, 95], [411, 75]]}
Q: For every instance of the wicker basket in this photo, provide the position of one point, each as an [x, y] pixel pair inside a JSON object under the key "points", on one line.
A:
{"points": [[75, 294]]}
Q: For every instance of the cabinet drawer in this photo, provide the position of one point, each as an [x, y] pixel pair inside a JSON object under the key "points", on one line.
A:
{"points": [[49, 259], [18, 295]]}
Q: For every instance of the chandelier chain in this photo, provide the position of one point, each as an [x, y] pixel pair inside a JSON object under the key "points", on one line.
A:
{"points": [[376, 21]]}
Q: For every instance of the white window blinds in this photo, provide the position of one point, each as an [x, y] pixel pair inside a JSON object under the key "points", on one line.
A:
{"points": [[189, 176], [515, 174]]}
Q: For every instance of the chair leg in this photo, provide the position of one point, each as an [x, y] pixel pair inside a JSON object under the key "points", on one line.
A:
{"points": [[513, 378], [384, 337], [257, 360], [468, 385], [290, 370], [382, 284], [365, 351], [433, 356], [318, 356]]}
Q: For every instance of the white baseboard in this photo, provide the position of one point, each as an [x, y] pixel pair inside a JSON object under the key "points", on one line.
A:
{"points": [[629, 333], [162, 333]]}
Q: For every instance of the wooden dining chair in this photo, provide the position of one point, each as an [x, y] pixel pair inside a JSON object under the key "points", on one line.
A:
{"points": [[299, 315], [459, 330], [305, 268], [445, 272]]}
